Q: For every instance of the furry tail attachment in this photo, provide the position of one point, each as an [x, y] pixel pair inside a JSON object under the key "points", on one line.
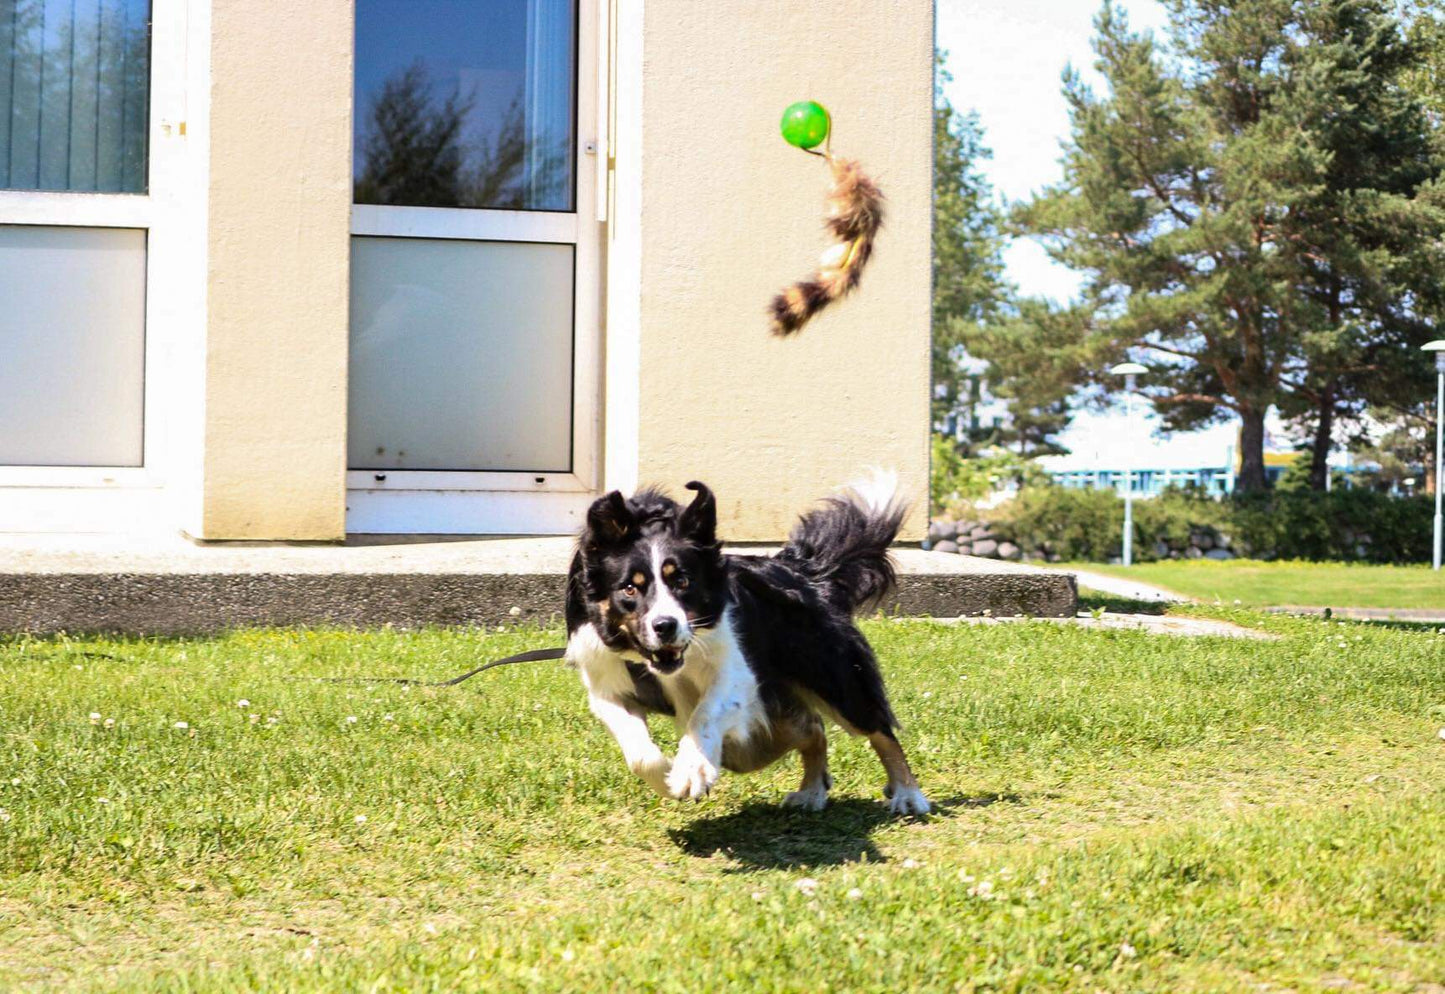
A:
{"points": [[855, 213], [845, 543]]}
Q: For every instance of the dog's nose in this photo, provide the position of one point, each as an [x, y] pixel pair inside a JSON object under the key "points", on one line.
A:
{"points": [[665, 628]]}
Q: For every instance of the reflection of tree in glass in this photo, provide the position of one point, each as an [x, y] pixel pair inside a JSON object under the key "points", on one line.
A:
{"points": [[413, 153], [77, 107]]}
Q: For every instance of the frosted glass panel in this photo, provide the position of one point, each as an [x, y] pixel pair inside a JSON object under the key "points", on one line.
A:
{"points": [[465, 103], [74, 94], [72, 338], [461, 355]]}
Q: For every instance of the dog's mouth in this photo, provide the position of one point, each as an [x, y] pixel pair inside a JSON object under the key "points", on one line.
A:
{"points": [[667, 659]]}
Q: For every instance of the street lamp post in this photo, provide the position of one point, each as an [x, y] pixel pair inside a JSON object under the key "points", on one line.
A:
{"points": [[1129, 370], [1438, 347]]}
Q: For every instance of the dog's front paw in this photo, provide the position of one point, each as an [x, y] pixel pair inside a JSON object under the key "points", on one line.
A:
{"points": [[693, 774], [907, 801], [653, 770]]}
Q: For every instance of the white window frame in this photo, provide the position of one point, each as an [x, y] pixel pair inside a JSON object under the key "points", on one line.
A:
{"points": [[23, 505], [480, 502]]}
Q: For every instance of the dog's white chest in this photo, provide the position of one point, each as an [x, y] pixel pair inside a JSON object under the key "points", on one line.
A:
{"points": [[715, 676], [717, 672]]}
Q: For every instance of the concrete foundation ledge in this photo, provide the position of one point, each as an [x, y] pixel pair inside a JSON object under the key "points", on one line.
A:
{"points": [[99, 585]]}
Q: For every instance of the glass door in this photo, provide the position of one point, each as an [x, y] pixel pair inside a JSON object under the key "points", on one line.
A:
{"points": [[473, 356], [74, 221]]}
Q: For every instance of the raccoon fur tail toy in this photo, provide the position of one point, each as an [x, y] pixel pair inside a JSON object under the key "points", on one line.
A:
{"points": [[855, 213]]}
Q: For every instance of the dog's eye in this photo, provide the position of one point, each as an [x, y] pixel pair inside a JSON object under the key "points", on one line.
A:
{"points": [[680, 582], [630, 590]]}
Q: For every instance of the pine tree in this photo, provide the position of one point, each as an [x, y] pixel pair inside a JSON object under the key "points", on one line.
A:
{"points": [[1240, 204], [1367, 242], [968, 284]]}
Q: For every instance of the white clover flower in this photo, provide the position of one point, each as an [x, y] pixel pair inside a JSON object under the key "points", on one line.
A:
{"points": [[351, 719], [757, 895], [15, 781], [855, 894], [360, 819], [272, 720], [806, 886], [387, 717], [94, 717], [4, 815], [243, 703], [1127, 951], [567, 954], [102, 800], [182, 726], [983, 890], [911, 864], [110, 723]]}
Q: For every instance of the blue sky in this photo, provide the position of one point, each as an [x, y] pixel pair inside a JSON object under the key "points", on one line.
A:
{"points": [[1006, 57]]}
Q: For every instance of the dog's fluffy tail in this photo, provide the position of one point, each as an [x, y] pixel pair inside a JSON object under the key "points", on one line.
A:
{"points": [[844, 544]]}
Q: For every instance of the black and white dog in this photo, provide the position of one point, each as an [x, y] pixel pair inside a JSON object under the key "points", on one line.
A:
{"points": [[748, 654]]}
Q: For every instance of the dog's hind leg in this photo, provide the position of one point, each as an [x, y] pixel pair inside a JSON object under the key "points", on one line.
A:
{"points": [[904, 797], [812, 795]]}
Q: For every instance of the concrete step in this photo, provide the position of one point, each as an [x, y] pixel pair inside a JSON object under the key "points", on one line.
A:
{"points": [[166, 585]]}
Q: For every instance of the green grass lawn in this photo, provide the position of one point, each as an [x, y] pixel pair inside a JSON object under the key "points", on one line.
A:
{"points": [[1260, 584], [1117, 811]]}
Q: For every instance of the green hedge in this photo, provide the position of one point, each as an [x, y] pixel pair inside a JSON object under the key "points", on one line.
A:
{"points": [[1085, 525]]}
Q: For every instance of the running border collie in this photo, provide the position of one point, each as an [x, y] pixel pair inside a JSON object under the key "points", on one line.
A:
{"points": [[748, 654]]}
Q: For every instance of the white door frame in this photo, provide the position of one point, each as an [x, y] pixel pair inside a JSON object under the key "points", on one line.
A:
{"points": [[116, 498], [382, 501]]}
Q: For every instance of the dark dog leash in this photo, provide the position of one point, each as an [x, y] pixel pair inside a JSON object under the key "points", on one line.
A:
{"points": [[530, 656]]}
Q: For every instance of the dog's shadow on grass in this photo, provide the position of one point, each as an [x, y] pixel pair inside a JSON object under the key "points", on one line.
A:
{"points": [[763, 836]]}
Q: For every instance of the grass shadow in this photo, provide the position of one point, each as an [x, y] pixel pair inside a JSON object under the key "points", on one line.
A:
{"points": [[762, 836], [1092, 600]]}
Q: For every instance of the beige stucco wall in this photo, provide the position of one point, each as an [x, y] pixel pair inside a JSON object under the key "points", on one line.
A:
{"points": [[729, 214], [277, 256]]}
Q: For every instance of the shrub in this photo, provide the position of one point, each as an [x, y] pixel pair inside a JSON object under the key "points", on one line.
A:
{"points": [[955, 481], [1086, 525]]}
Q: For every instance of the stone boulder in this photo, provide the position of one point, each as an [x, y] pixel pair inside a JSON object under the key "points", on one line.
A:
{"points": [[987, 548], [942, 529], [945, 545], [1007, 550], [1219, 554]]}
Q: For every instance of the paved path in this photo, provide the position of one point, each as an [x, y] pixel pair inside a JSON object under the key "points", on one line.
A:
{"points": [[1135, 590], [1120, 587], [1418, 615], [1153, 624]]}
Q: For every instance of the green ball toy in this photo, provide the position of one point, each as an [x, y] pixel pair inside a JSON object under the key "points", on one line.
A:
{"points": [[805, 124]]}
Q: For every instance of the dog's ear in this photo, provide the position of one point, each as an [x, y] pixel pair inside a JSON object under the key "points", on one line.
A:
{"points": [[699, 519], [608, 520]]}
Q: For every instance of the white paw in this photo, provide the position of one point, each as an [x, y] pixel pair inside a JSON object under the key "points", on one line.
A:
{"points": [[813, 798], [693, 774], [653, 770], [908, 801]]}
